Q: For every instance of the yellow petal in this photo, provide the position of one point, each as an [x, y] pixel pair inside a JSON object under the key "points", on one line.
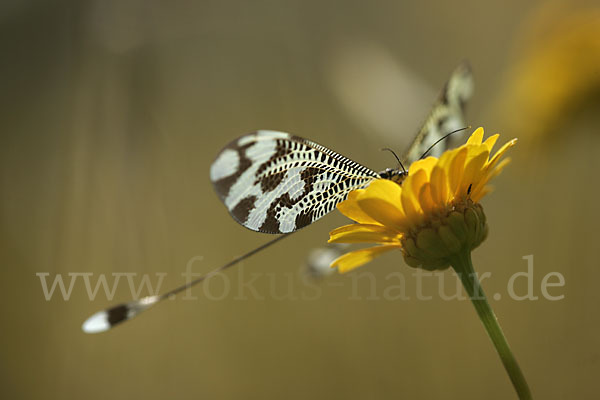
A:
{"points": [[476, 137], [410, 196], [416, 181], [479, 190], [439, 186], [355, 259], [455, 169], [383, 189], [473, 170], [350, 208], [474, 151], [426, 165], [425, 199], [381, 202], [360, 233], [447, 157], [500, 167], [491, 141], [481, 193], [500, 153], [387, 214]]}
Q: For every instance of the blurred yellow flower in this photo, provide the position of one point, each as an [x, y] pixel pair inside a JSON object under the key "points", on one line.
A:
{"points": [[431, 216], [555, 70]]}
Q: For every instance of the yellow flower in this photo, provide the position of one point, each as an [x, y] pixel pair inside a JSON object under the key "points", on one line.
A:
{"points": [[554, 71], [435, 219], [432, 216]]}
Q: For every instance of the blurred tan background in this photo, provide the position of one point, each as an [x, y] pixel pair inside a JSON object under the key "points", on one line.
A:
{"points": [[112, 112]]}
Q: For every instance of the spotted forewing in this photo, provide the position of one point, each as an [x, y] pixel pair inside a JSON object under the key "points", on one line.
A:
{"points": [[275, 182]]}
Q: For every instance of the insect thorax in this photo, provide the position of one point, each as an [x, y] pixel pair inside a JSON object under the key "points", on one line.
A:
{"points": [[394, 175]]}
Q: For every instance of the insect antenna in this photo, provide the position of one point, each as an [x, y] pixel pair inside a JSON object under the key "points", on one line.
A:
{"points": [[395, 155], [106, 319], [442, 138]]}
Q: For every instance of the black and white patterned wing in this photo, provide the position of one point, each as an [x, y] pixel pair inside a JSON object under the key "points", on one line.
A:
{"points": [[447, 115], [274, 182]]}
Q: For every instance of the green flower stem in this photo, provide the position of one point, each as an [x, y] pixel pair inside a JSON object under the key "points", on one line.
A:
{"points": [[463, 266]]}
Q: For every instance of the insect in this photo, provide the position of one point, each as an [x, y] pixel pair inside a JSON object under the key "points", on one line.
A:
{"points": [[274, 182]]}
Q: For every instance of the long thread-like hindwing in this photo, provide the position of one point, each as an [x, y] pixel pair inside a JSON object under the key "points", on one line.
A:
{"points": [[447, 115], [274, 182]]}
